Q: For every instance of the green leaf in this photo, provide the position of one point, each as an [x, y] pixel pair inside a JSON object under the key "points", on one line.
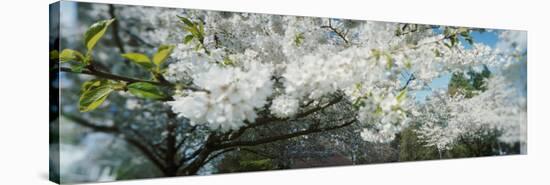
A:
{"points": [[90, 84], [93, 95], [162, 53], [139, 59], [193, 31], [188, 38], [227, 61], [186, 21], [454, 40], [70, 55], [201, 28], [95, 32], [145, 90], [299, 39], [465, 34], [78, 67]]}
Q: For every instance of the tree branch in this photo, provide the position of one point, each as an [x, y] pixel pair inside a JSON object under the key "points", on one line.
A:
{"points": [[95, 127], [94, 72], [266, 120], [411, 78], [333, 29], [115, 31], [283, 137], [115, 130], [218, 154]]}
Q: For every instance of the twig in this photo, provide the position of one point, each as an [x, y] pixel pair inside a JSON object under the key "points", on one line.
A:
{"points": [[333, 29]]}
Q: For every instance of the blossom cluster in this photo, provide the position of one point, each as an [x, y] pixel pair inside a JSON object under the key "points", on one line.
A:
{"points": [[252, 62], [231, 98]]}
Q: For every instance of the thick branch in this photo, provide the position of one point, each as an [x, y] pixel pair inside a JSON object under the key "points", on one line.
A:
{"points": [[115, 130], [218, 154], [283, 137], [266, 120]]}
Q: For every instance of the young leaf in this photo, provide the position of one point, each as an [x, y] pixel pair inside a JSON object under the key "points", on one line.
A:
{"points": [[188, 38], [90, 84], [139, 59], [201, 28], [162, 53], [186, 21], [93, 96], [70, 55], [298, 39], [77, 67], [95, 32], [145, 90]]}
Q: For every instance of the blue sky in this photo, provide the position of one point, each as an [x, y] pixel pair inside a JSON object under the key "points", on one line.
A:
{"points": [[488, 38]]}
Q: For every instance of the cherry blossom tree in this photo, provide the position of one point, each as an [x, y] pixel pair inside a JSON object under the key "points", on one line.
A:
{"points": [[185, 87]]}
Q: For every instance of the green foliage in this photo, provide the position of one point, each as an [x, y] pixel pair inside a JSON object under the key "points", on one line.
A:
{"points": [[196, 32], [412, 149], [245, 161], [188, 39], [469, 85], [145, 90], [139, 59], [95, 32], [70, 55], [77, 67], [454, 34], [91, 37], [151, 65], [299, 39], [227, 61], [261, 164], [93, 94], [162, 53]]}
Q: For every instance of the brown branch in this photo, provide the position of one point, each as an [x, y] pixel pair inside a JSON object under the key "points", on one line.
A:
{"points": [[266, 120], [98, 73], [148, 153], [115, 130], [333, 29], [99, 128], [180, 144], [218, 154], [411, 78], [101, 74], [283, 137], [138, 38], [116, 28]]}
